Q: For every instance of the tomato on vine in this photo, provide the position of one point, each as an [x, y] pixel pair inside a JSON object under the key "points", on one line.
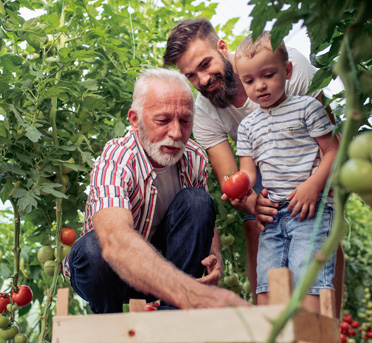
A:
{"points": [[23, 296], [68, 236]]}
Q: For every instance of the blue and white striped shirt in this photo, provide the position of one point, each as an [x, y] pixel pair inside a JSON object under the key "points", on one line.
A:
{"points": [[282, 142]]}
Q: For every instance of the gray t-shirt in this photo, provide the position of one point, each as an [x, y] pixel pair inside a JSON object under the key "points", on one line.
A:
{"points": [[213, 125]]}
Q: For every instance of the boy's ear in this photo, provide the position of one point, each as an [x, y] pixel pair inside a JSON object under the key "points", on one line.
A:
{"points": [[288, 70], [222, 47], [133, 119]]}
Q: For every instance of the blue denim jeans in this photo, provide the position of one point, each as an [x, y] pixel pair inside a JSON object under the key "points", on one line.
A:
{"points": [[184, 238], [286, 243]]}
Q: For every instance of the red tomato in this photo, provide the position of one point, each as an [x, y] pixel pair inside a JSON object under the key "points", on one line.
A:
{"points": [[344, 326], [23, 297], [4, 300], [347, 318], [343, 338], [150, 307], [352, 332], [354, 324], [68, 236], [237, 185], [369, 334]]}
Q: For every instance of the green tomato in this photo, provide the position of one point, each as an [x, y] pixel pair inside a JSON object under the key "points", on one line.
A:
{"points": [[49, 267], [247, 287], [44, 254], [361, 146], [12, 307], [9, 332], [231, 280], [4, 321], [227, 240], [20, 338], [238, 288], [65, 250], [355, 175]]}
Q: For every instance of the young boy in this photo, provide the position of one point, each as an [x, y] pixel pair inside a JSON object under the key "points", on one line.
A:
{"points": [[285, 137]]}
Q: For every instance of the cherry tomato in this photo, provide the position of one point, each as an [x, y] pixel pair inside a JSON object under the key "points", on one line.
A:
{"points": [[343, 338], [354, 324], [237, 185], [4, 301], [23, 297], [227, 240], [9, 332], [68, 236], [344, 326], [347, 318]]}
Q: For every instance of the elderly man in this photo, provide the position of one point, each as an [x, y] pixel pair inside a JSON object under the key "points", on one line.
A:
{"points": [[149, 221], [195, 48]]}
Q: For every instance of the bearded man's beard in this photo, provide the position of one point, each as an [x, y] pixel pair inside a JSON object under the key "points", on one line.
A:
{"points": [[227, 90], [153, 149]]}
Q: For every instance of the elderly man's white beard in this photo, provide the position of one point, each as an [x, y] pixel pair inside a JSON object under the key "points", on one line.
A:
{"points": [[153, 149]]}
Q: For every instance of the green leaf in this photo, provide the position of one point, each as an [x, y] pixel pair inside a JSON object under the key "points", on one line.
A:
{"points": [[7, 167], [32, 133], [89, 84]]}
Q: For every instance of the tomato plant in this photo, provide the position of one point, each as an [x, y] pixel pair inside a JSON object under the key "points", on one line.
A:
{"points": [[23, 296], [68, 236], [237, 185]]}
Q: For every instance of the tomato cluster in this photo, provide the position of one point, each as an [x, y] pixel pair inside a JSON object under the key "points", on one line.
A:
{"points": [[19, 297], [46, 254], [355, 173], [349, 329], [153, 306]]}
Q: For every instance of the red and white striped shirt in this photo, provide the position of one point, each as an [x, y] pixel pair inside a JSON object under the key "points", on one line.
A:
{"points": [[123, 177]]}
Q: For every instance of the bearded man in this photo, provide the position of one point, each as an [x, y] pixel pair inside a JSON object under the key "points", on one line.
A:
{"points": [[221, 104], [149, 221]]}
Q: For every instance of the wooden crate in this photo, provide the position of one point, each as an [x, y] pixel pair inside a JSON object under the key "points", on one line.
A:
{"points": [[225, 325]]}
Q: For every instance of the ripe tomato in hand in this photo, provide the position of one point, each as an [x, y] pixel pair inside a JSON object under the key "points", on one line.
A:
{"points": [[23, 297], [4, 301], [68, 236], [237, 185]]}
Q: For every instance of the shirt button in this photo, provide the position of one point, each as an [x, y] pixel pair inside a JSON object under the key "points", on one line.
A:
{"points": [[269, 130], [270, 112], [147, 220]]}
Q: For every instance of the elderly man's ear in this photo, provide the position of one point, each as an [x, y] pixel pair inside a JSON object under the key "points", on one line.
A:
{"points": [[133, 119]]}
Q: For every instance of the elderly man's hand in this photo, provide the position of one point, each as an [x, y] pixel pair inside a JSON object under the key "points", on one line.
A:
{"points": [[214, 270]]}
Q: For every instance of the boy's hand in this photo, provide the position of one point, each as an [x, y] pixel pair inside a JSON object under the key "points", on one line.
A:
{"points": [[303, 199]]}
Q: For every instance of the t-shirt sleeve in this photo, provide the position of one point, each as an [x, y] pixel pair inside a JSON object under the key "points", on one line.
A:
{"points": [[302, 74], [317, 121], [208, 130], [243, 144]]}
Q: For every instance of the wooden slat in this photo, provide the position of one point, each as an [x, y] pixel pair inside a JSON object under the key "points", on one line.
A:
{"points": [[226, 325], [62, 301], [328, 303], [281, 286], [137, 305]]}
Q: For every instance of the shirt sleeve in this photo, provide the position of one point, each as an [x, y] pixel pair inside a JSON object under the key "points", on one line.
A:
{"points": [[317, 120], [243, 144]]}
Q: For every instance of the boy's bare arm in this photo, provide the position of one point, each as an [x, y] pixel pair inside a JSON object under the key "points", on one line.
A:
{"points": [[303, 199]]}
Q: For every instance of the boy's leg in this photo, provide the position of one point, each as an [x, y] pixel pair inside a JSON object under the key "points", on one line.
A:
{"points": [[304, 245]]}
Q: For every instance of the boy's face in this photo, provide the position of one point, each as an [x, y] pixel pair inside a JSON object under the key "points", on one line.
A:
{"points": [[263, 77]]}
